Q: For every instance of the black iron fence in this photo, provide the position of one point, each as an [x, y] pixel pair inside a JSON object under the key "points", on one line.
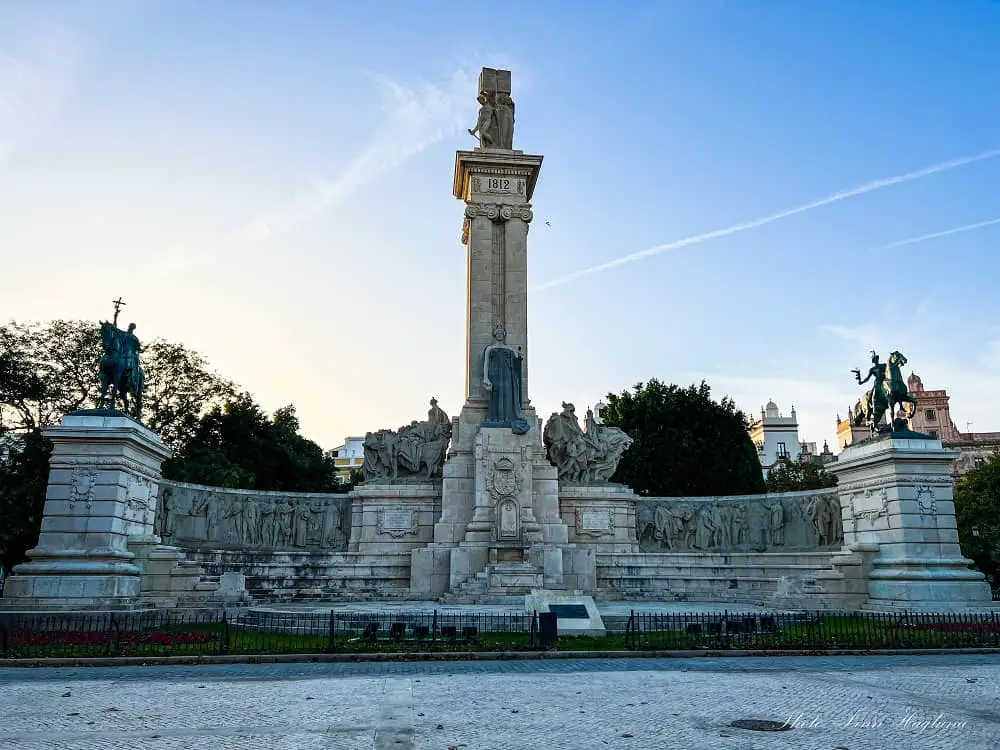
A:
{"points": [[211, 632], [811, 631]]}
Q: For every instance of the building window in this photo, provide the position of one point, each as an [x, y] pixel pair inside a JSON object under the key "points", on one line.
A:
{"points": [[933, 433], [782, 451], [930, 415]]}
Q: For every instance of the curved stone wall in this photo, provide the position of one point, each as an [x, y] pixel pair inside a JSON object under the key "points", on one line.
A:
{"points": [[779, 522], [196, 516]]}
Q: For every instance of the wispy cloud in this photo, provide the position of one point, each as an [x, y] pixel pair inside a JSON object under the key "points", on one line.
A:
{"points": [[864, 335], [944, 233], [40, 59], [867, 187], [416, 116]]}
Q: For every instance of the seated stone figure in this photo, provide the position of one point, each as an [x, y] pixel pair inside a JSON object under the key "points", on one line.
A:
{"points": [[412, 449], [583, 457]]}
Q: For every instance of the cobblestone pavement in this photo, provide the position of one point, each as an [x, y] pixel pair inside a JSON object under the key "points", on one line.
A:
{"points": [[914, 702]]}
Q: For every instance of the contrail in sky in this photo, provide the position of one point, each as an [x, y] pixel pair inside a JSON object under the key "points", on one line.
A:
{"points": [[867, 187], [935, 235]]}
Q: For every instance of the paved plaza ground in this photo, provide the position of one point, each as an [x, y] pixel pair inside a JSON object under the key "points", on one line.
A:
{"points": [[913, 702]]}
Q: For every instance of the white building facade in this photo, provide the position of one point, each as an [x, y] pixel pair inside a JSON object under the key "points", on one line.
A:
{"points": [[776, 436]]}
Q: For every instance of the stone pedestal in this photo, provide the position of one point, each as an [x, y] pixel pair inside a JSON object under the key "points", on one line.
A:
{"points": [[600, 516], [393, 517], [103, 481], [896, 493]]}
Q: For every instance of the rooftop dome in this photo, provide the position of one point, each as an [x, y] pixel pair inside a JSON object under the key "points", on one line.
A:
{"points": [[771, 410]]}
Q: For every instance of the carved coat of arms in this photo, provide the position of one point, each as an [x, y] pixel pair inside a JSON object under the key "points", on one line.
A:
{"points": [[503, 481]]}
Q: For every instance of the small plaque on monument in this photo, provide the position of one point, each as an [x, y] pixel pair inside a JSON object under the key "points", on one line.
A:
{"points": [[595, 520], [397, 520]]}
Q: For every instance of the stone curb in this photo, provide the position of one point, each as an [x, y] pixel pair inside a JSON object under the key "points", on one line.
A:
{"points": [[154, 661]]}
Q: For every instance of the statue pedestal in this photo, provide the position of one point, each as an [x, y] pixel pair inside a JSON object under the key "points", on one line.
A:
{"points": [[393, 516], [103, 482], [896, 493], [500, 532]]}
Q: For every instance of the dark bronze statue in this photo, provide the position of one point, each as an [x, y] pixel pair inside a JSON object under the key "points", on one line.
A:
{"points": [[502, 380], [120, 371], [888, 392]]}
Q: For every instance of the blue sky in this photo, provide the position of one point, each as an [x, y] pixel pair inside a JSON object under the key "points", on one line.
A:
{"points": [[270, 183]]}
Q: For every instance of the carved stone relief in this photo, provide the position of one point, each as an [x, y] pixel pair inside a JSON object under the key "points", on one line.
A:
{"points": [[503, 480], [413, 452], [210, 517], [864, 510], [82, 485], [754, 524], [926, 500]]}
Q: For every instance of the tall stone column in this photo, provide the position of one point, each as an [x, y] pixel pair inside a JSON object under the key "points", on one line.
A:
{"points": [[103, 482], [896, 497], [500, 532]]}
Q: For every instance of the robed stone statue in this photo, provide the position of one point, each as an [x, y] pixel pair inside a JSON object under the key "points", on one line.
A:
{"points": [[502, 380]]}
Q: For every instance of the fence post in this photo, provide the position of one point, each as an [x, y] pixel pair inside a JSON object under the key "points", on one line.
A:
{"points": [[332, 642], [112, 633], [3, 639], [224, 645]]}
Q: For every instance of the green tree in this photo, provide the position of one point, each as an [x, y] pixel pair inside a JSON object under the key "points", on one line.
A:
{"points": [[61, 358], [52, 368], [792, 476], [24, 472], [49, 369], [977, 514], [686, 444], [236, 445]]}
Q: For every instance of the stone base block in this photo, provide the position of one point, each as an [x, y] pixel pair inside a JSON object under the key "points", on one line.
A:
{"points": [[71, 592], [575, 614], [920, 586], [430, 569]]}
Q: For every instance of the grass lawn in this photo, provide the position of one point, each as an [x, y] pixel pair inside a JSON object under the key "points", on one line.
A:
{"points": [[209, 638]]}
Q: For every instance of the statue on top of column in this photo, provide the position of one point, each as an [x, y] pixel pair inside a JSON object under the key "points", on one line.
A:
{"points": [[495, 124]]}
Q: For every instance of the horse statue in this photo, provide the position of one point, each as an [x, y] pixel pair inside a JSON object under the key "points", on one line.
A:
{"points": [[896, 392], [120, 370], [887, 392]]}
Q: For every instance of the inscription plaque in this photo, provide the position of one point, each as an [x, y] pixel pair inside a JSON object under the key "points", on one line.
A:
{"points": [[595, 520], [397, 520], [499, 184], [569, 611]]}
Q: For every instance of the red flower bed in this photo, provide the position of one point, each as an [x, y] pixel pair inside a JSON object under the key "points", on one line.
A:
{"points": [[98, 638], [955, 627]]}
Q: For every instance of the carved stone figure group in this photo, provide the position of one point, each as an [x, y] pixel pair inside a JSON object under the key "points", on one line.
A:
{"points": [[584, 457], [263, 520], [495, 124], [413, 450], [752, 525]]}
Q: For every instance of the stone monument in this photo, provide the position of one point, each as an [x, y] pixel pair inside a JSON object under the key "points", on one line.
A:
{"points": [[500, 531], [897, 505], [103, 480]]}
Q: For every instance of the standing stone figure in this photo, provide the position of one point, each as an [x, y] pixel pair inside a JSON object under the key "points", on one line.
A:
{"points": [[486, 124], [504, 113], [502, 379]]}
